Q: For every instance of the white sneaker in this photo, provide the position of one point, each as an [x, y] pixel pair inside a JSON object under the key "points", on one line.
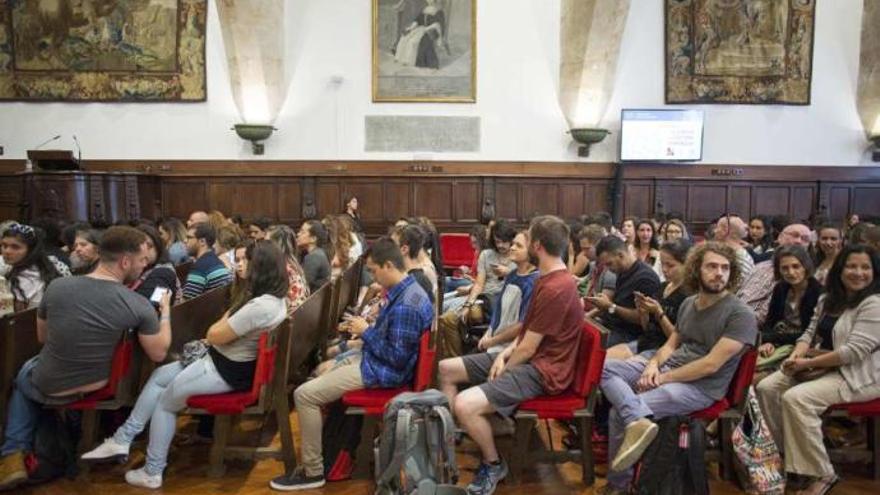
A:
{"points": [[139, 477], [109, 450]]}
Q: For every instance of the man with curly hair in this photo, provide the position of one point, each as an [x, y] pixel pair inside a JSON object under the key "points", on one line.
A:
{"points": [[690, 371]]}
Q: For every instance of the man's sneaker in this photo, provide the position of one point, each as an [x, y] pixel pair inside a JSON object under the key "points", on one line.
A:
{"points": [[109, 450], [297, 480], [12, 471], [140, 477], [487, 478], [638, 436]]}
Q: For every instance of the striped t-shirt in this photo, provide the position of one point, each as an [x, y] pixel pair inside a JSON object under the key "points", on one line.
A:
{"points": [[207, 273]]}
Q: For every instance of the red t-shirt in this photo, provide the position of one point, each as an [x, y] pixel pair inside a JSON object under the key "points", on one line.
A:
{"points": [[555, 312]]}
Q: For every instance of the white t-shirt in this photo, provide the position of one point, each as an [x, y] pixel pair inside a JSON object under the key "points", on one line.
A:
{"points": [[260, 314]]}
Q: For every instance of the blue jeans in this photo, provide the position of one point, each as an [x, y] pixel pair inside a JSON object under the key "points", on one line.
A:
{"points": [[25, 404], [163, 396], [670, 399], [452, 283]]}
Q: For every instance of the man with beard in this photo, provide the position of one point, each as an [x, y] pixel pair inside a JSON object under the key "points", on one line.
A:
{"points": [[690, 371], [539, 361], [80, 321], [208, 272]]}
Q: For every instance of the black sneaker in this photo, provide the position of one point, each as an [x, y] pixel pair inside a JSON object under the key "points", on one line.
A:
{"points": [[297, 480], [487, 478]]}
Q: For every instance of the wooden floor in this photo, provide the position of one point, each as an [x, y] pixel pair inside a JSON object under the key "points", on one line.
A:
{"points": [[185, 476]]}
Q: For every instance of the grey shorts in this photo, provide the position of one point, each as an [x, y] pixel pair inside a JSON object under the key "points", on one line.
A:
{"points": [[505, 393]]}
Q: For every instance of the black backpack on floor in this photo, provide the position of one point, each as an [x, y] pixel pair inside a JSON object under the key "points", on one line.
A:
{"points": [[54, 453], [674, 463]]}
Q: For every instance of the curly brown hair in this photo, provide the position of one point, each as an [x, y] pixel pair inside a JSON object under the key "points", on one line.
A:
{"points": [[695, 262]]}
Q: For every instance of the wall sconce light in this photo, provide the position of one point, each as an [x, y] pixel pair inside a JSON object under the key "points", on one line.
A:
{"points": [[875, 150], [587, 137], [254, 133]]}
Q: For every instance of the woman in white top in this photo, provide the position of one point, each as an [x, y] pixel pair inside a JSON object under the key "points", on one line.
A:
{"points": [[228, 365], [26, 266]]}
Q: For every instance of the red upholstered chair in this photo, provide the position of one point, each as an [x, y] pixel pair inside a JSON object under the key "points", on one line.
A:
{"points": [[370, 402], [456, 250], [117, 393], [870, 410], [267, 392], [730, 408], [576, 403]]}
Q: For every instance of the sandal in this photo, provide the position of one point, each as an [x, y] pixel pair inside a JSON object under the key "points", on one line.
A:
{"points": [[821, 486]]}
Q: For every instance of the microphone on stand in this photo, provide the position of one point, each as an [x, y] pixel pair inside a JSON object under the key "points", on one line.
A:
{"points": [[79, 154], [28, 164]]}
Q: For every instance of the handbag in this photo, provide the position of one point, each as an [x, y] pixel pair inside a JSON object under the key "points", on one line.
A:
{"points": [[759, 463], [193, 351], [810, 374]]}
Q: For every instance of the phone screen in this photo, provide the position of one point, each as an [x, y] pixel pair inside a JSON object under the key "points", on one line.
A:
{"points": [[157, 295]]}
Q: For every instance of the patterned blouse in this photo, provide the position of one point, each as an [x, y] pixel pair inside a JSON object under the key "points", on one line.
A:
{"points": [[298, 290]]}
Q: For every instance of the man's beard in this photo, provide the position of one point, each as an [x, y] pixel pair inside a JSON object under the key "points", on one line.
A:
{"points": [[709, 289]]}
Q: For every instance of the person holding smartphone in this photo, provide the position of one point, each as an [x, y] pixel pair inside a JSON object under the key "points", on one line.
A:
{"points": [[159, 276]]}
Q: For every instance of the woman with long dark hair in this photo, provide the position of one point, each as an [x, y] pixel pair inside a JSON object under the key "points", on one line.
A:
{"points": [[842, 340], [760, 238], [829, 242], [227, 366], [298, 289], [351, 209], [159, 272], [27, 268], [173, 233], [646, 245]]}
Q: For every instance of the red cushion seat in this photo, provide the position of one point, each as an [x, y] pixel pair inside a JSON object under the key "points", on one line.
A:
{"points": [[869, 408], [560, 406], [456, 250], [372, 400], [712, 412], [122, 357]]}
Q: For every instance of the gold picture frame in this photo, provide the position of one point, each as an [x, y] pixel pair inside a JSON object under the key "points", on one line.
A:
{"points": [[424, 51]]}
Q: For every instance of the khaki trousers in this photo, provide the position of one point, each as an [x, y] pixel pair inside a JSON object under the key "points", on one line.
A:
{"points": [[311, 396], [793, 413]]}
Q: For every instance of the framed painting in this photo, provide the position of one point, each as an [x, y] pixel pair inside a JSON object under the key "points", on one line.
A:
{"points": [[424, 51], [739, 51], [102, 50]]}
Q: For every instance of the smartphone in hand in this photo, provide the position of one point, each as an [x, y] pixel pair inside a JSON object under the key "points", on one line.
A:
{"points": [[158, 294]]}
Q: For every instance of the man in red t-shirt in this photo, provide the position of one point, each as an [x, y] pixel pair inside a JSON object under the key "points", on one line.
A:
{"points": [[540, 361]]}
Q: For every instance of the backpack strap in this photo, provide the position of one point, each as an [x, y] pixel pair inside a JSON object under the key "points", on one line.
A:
{"points": [[448, 442], [401, 436]]}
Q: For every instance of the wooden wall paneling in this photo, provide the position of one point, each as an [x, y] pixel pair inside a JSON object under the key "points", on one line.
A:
{"points": [[256, 199], [739, 201], [596, 196], [396, 201], [771, 200], [670, 197], [180, 197], [839, 201], [328, 198], [507, 200], [466, 201], [638, 198], [434, 199], [538, 198], [114, 198], [369, 194], [221, 196], [803, 202], [289, 201], [865, 201], [572, 199], [706, 202], [62, 196], [97, 202], [489, 200], [11, 200], [149, 197]]}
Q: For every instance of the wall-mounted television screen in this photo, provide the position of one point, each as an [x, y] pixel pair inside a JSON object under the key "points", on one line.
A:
{"points": [[667, 135]]}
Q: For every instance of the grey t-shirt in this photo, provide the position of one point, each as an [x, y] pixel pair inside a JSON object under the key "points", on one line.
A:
{"points": [[489, 257], [260, 314], [316, 266], [700, 330], [86, 317]]}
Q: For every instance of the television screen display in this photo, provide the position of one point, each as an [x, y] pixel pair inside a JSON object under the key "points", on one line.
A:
{"points": [[661, 135]]}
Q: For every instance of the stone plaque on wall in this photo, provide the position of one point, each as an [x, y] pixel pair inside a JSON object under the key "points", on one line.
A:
{"points": [[422, 133]]}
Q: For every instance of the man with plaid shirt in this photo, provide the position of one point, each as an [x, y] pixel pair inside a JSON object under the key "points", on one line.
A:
{"points": [[387, 359]]}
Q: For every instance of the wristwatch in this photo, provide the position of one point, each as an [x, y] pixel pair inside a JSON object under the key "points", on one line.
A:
{"points": [[612, 309]]}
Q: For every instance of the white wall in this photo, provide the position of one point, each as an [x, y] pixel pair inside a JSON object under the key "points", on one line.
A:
{"points": [[518, 57]]}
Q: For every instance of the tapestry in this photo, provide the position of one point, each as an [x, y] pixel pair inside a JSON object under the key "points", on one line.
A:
{"points": [[102, 50], [739, 51]]}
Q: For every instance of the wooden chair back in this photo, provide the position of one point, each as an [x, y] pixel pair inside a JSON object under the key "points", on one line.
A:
{"points": [[191, 319], [183, 270], [308, 331], [18, 343]]}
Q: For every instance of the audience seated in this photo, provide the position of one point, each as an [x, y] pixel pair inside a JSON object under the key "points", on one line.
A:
{"points": [[159, 272], [619, 313], [228, 236], [829, 242], [228, 365], [792, 303], [298, 289], [314, 241], [258, 227], [52, 244], [731, 230], [174, 235], [675, 229], [387, 359], [646, 245], [628, 230], [339, 232], [197, 217], [758, 286], [540, 361], [689, 372], [85, 253], [410, 239], [598, 279], [208, 272], [27, 268], [760, 239], [492, 266], [841, 339], [80, 322], [351, 209]]}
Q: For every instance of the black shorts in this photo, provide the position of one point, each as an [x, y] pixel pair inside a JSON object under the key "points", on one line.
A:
{"points": [[505, 393]]}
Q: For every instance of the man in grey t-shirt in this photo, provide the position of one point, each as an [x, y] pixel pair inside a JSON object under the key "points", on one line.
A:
{"points": [[690, 371], [80, 321]]}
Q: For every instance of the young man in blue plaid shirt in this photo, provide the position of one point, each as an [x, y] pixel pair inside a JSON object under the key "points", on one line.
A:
{"points": [[388, 358]]}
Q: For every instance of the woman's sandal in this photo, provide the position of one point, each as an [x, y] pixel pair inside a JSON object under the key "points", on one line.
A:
{"points": [[822, 485]]}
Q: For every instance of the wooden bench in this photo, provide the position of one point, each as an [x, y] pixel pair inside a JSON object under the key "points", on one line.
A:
{"points": [[191, 319], [182, 270], [308, 332], [18, 343]]}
